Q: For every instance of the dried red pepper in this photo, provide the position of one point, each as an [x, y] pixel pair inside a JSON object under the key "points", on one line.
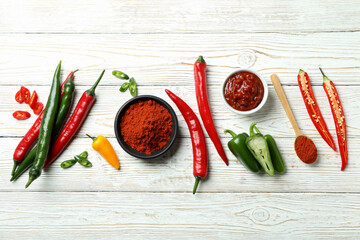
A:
{"points": [[204, 108], [73, 125], [200, 162], [313, 108], [339, 118], [21, 115]]}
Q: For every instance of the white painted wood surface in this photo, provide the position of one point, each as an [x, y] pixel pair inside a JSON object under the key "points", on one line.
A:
{"points": [[157, 43]]}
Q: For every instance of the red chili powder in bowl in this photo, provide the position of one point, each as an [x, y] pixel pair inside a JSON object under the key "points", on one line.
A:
{"points": [[146, 126], [305, 149]]}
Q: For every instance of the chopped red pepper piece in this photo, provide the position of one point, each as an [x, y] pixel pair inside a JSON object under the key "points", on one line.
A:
{"points": [[37, 109], [33, 100], [21, 115], [26, 94], [19, 97]]}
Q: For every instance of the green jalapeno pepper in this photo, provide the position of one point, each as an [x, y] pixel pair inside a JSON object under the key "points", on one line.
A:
{"points": [[275, 154], [258, 146], [238, 147]]}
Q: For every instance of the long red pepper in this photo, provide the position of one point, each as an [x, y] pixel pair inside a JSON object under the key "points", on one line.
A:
{"points": [[74, 123], [31, 136], [204, 108], [200, 162], [339, 118], [313, 108]]}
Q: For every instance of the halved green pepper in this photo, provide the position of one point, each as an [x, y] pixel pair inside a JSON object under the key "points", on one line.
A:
{"points": [[258, 146], [238, 147], [275, 154]]}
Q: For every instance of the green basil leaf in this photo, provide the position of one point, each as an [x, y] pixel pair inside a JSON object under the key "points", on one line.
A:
{"points": [[132, 87], [124, 87], [84, 154], [85, 163], [120, 75], [68, 163]]}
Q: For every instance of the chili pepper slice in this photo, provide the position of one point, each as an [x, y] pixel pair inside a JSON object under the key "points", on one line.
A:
{"points": [[76, 120], [32, 134], [275, 154], [39, 106], [19, 96], [33, 100], [26, 94], [339, 118], [200, 162], [46, 128], [313, 108], [21, 115], [204, 108]]}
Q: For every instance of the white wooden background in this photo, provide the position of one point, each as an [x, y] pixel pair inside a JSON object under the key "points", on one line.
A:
{"points": [[157, 42]]}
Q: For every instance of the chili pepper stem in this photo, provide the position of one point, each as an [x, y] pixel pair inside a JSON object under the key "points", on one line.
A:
{"points": [[31, 179], [200, 59], [325, 78], [197, 180], [230, 132], [91, 91], [91, 137]]}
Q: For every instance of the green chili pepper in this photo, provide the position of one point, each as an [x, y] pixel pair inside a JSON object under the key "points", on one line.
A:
{"points": [[84, 154], [124, 87], [275, 154], [64, 106], [258, 146], [120, 75], [238, 147], [83, 161], [68, 163], [46, 127], [132, 87]]}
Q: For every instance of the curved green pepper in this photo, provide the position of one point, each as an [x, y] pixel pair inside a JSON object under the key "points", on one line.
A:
{"points": [[238, 147], [276, 157], [258, 146]]}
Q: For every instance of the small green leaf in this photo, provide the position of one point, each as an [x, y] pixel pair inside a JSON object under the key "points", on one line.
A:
{"points": [[68, 163], [120, 75], [124, 87], [132, 87], [85, 163], [84, 154]]}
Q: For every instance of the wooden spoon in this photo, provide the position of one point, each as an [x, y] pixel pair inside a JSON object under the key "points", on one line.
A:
{"points": [[310, 154]]}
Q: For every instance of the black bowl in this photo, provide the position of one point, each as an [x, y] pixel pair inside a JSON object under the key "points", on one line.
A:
{"points": [[129, 149]]}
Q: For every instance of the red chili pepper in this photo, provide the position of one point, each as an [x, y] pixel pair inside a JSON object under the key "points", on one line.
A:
{"points": [[30, 137], [26, 94], [204, 108], [33, 100], [21, 115], [75, 122], [313, 108], [39, 106], [19, 96], [339, 118], [200, 161]]}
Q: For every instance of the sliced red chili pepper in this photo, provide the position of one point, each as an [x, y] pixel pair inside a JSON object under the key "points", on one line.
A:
{"points": [[21, 115], [26, 94], [38, 107], [33, 100], [19, 97]]}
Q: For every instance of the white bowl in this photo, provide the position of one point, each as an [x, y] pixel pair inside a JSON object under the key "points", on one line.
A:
{"points": [[263, 101]]}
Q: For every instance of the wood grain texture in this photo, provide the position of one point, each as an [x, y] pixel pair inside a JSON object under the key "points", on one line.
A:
{"points": [[179, 216], [161, 16], [167, 59]]}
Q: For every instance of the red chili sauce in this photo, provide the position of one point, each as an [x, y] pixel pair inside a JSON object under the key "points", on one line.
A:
{"points": [[244, 91]]}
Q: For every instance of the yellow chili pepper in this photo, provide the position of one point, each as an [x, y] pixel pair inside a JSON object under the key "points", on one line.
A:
{"points": [[103, 146]]}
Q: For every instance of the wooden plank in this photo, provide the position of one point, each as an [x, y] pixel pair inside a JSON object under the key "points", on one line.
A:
{"points": [[161, 16], [167, 59], [272, 119], [178, 216], [173, 172]]}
